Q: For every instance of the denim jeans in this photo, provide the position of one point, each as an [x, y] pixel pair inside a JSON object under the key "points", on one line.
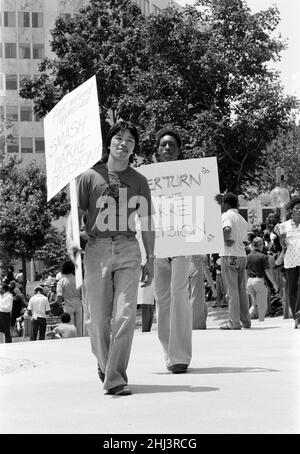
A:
{"points": [[112, 272], [293, 285], [38, 325], [174, 310], [234, 278], [258, 292], [5, 326], [197, 293]]}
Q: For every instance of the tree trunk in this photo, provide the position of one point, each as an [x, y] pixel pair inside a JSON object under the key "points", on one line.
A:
{"points": [[24, 275]]}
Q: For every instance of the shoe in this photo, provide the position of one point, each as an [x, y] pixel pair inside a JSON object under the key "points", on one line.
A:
{"points": [[178, 368], [101, 374], [120, 390], [247, 326], [227, 327]]}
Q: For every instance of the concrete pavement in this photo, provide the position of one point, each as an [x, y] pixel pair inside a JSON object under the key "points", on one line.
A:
{"points": [[239, 382]]}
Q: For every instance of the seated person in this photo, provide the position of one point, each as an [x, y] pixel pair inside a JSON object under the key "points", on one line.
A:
{"points": [[65, 329]]}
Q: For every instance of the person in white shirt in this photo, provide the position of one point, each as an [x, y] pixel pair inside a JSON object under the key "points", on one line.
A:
{"points": [[233, 263], [289, 235], [6, 303], [39, 308]]}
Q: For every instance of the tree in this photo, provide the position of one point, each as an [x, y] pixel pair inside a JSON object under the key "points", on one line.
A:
{"points": [[54, 250], [202, 70], [284, 152], [25, 215]]}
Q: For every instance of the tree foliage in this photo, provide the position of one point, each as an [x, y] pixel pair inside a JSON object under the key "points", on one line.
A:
{"points": [[202, 70], [54, 251], [25, 215], [284, 152]]}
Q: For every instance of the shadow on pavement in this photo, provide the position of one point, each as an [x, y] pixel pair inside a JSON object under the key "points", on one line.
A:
{"points": [[223, 370], [229, 370], [148, 389]]}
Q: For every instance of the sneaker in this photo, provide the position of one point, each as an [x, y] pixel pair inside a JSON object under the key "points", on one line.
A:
{"points": [[178, 368], [120, 390], [227, 327], [101, 374]]}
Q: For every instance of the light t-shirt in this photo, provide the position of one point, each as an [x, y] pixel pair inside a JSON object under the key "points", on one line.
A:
{"points": [[292, 232], [65, 330], [6, 302], [66, 287], [239, 229], [39, 305], [111, 200]]}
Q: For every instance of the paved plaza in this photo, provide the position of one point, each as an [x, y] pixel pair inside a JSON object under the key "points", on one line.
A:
{"points": [[239, 382]]}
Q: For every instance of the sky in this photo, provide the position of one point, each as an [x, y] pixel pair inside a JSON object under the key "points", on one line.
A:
{"points": [[289, 28]]}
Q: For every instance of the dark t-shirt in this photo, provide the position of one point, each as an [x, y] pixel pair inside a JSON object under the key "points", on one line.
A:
{"points": [[111, 200], [257, 262]]}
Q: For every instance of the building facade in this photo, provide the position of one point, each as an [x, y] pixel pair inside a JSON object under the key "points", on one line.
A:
{"points": [[24, 40]]}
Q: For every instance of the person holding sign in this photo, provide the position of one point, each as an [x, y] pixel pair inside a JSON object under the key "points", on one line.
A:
{"points": [[110, 194], [171, 283]]}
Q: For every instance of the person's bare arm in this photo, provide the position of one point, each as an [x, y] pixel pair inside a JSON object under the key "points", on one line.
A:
{"points": [[148, 238], [226, 234]]}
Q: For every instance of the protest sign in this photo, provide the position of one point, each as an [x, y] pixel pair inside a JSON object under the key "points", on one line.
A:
{"points": [[73, 144], [187, 218], [73, 140]]}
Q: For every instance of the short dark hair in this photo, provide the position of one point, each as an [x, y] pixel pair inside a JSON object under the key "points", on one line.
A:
{"points": [[5, 286], [167, 132], [120, 126], [68, 267], [231, 199], [294, 202], [65, 317]]}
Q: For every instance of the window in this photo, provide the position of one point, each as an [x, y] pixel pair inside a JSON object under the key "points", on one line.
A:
{"points": [[38, 50], [1, 56], [39, 145], [26, 144], [244, 212], [37, 20], [12, 144], [24, 19], [24, 51], [12, 113], [65, 16], [26, 113], [10, 50], [11, 82], [9, 19], [23, 77]]}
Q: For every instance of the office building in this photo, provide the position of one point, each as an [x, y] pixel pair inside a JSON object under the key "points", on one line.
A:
{"points": [[25, 34]]}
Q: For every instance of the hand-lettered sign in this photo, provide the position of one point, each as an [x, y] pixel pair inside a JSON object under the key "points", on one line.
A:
{"points": [[73, 141], [187, 218]]}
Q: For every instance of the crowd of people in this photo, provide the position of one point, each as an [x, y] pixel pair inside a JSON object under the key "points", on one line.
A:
{"points": [[55, 296], [256, 268]]}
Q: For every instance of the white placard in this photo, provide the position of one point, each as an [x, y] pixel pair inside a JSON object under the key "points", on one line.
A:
{"points": [[187, 218], [73, 141]]}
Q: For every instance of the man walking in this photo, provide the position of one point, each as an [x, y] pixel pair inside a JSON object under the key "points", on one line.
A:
{"points": [[171, 284], [233, 263], [109, 197], [39, 308], [6, 303]]}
